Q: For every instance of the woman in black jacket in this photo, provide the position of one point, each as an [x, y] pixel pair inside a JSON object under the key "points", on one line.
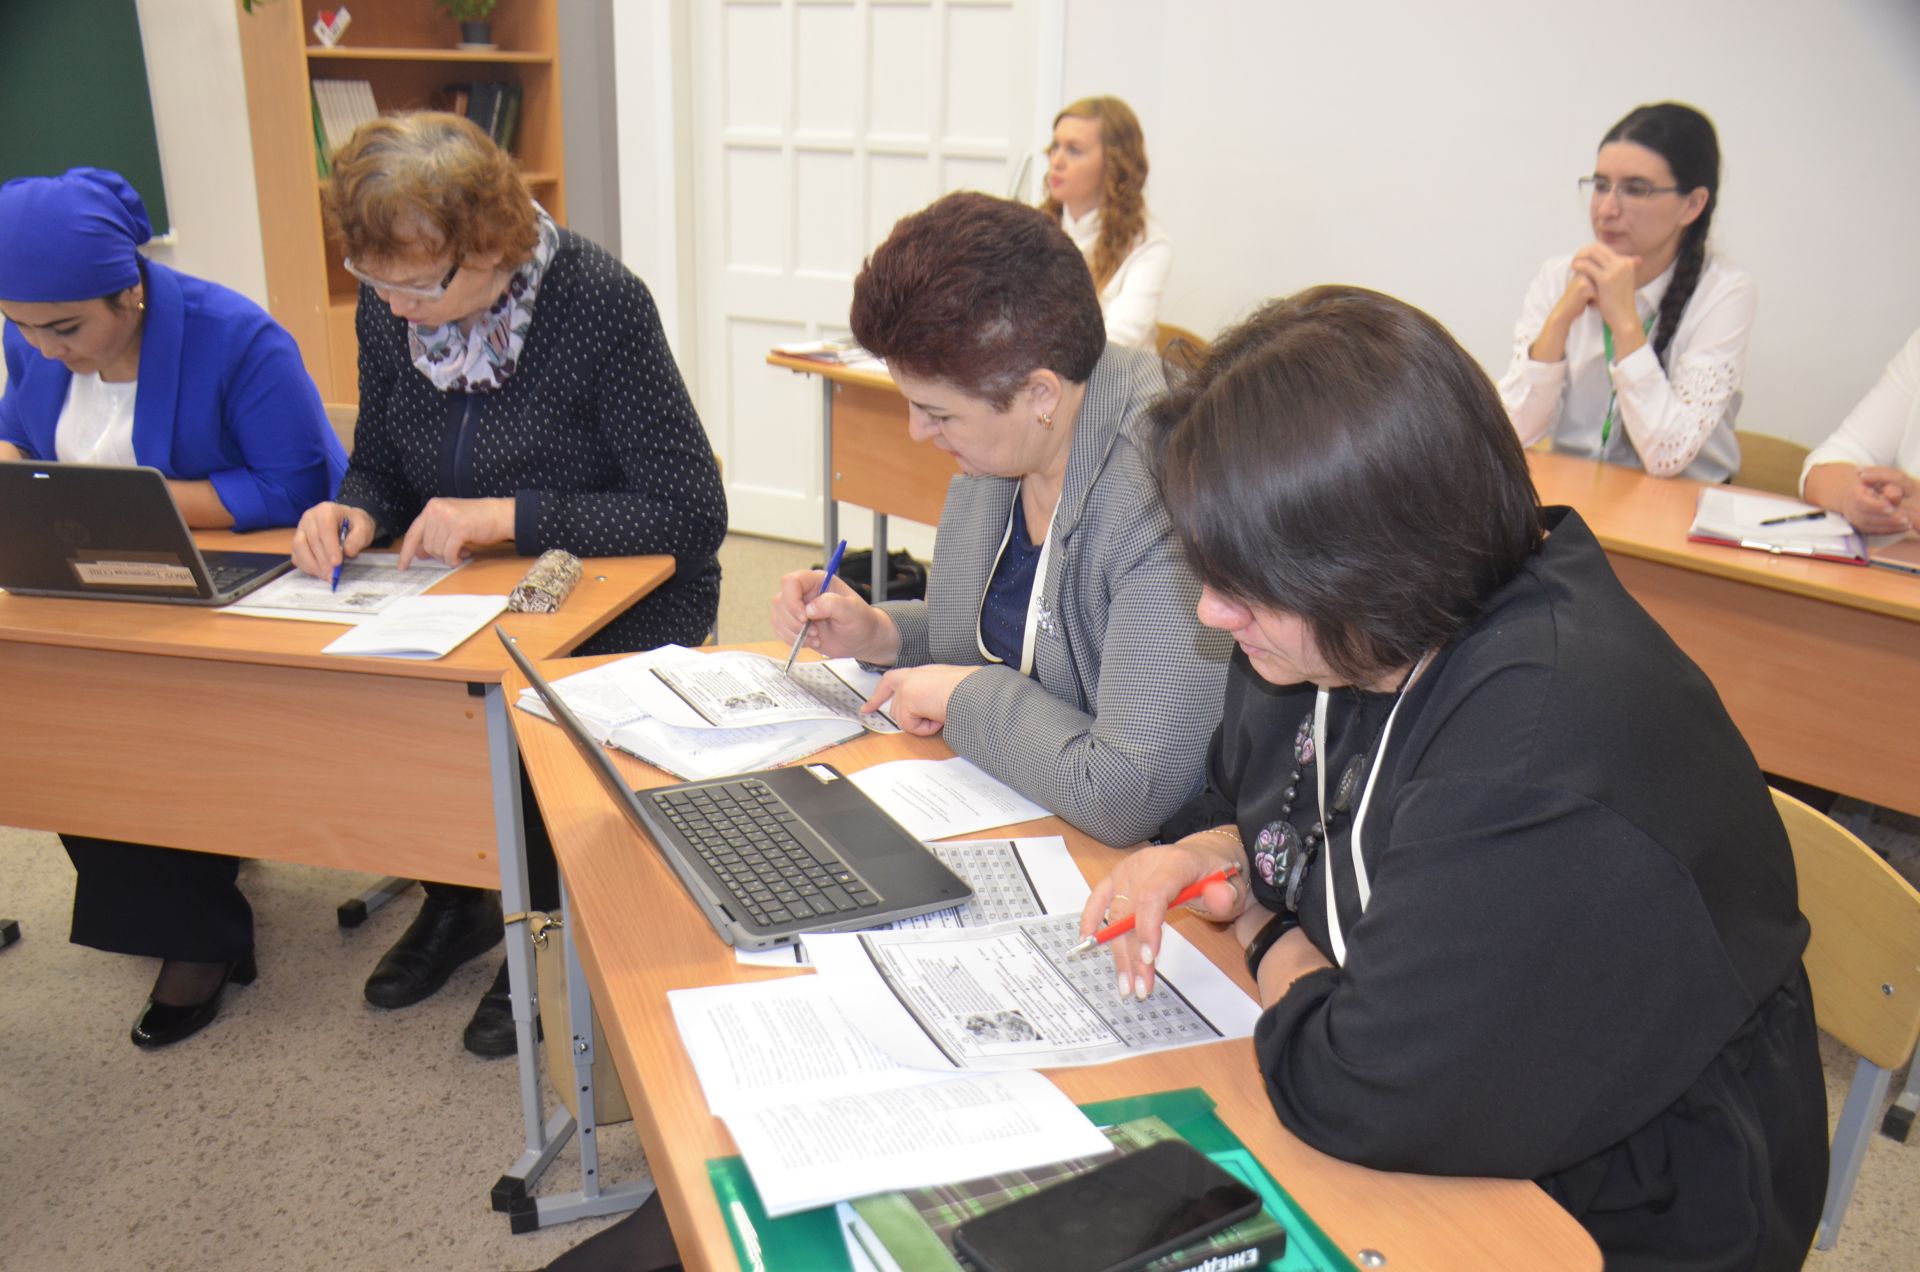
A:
{"points": [[1520, 905]]}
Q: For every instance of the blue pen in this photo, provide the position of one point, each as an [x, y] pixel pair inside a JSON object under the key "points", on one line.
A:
{"points": [[833, 568], [346, 527]]}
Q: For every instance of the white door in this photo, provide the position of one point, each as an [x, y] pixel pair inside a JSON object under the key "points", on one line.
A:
{"points": [[816, 125]]}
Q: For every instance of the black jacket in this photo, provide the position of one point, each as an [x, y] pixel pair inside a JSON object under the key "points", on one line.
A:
{"points": [[1580, 962]]}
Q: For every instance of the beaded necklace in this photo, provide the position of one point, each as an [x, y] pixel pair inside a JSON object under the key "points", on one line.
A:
{"points": [[1282, 856]]}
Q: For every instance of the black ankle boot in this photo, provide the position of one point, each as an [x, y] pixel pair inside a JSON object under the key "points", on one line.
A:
{"points": [[161, 1023], [450, 929], [491, 1032]]}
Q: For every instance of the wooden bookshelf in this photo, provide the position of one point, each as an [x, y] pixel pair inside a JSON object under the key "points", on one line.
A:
{"points": [[406, 50]]}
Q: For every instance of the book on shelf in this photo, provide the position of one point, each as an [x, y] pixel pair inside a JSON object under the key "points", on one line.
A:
{"points": [[509, 119], [493, 106], [321, 150], [344, 105]]}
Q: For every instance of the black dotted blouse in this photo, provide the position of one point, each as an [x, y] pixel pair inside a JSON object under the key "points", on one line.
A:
{"points": [[593, 436]]}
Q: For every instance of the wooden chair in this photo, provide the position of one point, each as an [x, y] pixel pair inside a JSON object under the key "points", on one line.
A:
{"points": [[1178, 347], [1863, 960], [1769, 463]]}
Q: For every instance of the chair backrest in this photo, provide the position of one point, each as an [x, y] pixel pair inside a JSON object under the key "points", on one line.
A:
{"points": [[1178, 346], [343, 416], [1864, 955], [1769, 463]]}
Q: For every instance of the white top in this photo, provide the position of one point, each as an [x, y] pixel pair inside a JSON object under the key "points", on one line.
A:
{"points": [[1672, 422], [1130, 302], [1884, 430], [96, 424]]}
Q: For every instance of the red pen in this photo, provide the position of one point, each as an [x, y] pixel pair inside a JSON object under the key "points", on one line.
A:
{"points": [[1121, 926]]}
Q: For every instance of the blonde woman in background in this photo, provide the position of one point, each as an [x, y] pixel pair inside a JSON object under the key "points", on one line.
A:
{"points": [[1096, 182]]}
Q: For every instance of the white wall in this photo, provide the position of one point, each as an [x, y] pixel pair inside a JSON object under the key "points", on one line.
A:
{"points": [[206, 149], [1400, 145]]}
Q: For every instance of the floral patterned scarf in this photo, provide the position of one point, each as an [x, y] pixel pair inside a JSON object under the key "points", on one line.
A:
{"points": [[480, 360]]}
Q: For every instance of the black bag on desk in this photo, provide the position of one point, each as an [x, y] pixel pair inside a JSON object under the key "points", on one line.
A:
{"points": [[906, 577]]}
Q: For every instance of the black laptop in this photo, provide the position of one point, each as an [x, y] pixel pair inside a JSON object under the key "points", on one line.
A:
{"points": [[96, 530], [770, 855]]}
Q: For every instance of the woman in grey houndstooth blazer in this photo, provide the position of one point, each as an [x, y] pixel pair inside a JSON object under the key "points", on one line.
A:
{"points": [[1058, 646]]}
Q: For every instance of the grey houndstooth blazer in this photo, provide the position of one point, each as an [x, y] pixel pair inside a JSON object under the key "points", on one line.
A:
{"points": [[1111, 731]]}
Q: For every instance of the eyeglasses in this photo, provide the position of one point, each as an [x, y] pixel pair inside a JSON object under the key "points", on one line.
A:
{"points": [[1632, 190], [395, 289]]}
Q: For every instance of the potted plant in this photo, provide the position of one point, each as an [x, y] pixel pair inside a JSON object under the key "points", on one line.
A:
{"points": [[472, 15]]}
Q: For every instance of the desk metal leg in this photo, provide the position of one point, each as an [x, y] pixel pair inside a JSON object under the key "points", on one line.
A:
{"points": [[830, 515], [544, 1136], [882, 568], [532, 1213]]}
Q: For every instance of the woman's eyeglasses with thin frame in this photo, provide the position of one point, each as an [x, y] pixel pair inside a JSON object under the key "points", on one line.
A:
{"points": [[1632, 190], [413, 293]]}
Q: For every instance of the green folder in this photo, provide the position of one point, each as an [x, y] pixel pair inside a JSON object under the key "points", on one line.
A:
{"points": [[811, 1241]]}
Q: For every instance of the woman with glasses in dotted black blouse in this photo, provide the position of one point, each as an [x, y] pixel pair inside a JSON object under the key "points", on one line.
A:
{"points": [[1632, 349], [515, 386]]}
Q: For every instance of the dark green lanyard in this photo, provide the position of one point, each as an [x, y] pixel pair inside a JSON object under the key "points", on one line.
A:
{"points": [[1613, 396]]}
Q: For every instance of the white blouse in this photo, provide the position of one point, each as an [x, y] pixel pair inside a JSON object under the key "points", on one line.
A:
{"points": [[96, 424], [1130, 302], [1883, 431], [1672, 422]]}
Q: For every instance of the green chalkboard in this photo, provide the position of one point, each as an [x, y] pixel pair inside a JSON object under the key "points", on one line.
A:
{"points": [[73, 93]]}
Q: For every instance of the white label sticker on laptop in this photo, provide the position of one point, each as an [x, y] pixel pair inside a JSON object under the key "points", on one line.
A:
{"points": [[132, 574], [822, 773]]}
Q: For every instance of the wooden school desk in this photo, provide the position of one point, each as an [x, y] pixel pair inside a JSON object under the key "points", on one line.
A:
{"points": [[638, 936], [867, 457], [1818, 662], [180, 726]]}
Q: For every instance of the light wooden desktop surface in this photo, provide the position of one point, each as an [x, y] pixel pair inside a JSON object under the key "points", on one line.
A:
{"points": [[1818, 662], [639, 936], [181, 726]]}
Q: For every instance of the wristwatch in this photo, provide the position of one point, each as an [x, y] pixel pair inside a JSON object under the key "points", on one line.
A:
{"points": [[1276, 927]]}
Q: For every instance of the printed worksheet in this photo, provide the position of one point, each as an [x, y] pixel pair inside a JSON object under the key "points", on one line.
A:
{"points": [[937, 799], [737, 688], [368, 585], [1015, 996]]}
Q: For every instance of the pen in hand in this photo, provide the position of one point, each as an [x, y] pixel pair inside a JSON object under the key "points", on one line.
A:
{"points": [[346, 527], [1123, 925], [1817, 514], [799, 638]]}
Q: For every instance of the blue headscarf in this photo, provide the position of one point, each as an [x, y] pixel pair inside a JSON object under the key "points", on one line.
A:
{"points": [[71, 237]]}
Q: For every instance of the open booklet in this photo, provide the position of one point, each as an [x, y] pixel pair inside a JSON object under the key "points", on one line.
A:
{"points": [[736, 688], [628, 707], [1771, 523], [369, 585]]}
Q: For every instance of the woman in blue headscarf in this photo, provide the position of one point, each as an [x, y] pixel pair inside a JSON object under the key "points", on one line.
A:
{"points": [[115, 359]]}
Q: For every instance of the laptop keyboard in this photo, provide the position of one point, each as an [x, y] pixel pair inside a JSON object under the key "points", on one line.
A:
{"points": [[745, 833], [226, 577]]}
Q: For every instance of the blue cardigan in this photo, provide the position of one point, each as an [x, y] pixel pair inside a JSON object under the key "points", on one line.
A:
{"points": [[223, 397]]}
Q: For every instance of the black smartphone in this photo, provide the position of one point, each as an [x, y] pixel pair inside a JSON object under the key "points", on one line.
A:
{"points": [[1117, 1217]]}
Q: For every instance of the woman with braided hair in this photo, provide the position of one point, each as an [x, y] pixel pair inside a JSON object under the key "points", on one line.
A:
{"points": [[1632, 349], [1096, 183]]}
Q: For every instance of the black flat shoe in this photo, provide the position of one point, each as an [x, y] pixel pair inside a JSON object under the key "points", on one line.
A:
{"points": [[446, 933], [164, 1023], [491, 1032]]}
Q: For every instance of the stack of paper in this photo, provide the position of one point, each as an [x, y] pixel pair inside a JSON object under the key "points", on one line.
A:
{"points": [[712, 715], [821, 1115], [1769, 523]]}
